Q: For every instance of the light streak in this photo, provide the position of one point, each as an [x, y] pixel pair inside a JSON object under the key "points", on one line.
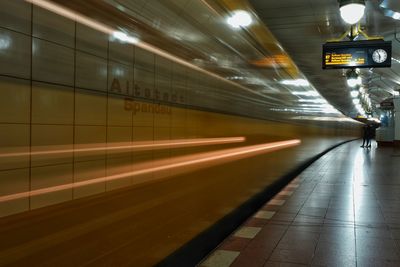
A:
{"points": [[68, 13], [197, 161], [135, 146], [72, 15]]}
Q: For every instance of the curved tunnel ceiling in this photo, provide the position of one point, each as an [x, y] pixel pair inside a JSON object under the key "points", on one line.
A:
{"points": [[302, 26]]}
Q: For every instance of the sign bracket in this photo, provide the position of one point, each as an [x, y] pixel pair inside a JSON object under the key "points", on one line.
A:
{"points": [[353, 33]]}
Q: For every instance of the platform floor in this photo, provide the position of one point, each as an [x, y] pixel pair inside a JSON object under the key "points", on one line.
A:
{"points": [[344, 210]]}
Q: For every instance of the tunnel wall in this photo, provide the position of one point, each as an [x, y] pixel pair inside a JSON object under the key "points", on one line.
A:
{"points": [[65, 86]]}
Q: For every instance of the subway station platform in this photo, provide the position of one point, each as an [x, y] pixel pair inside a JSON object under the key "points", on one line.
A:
{"points": [[343, 210]]}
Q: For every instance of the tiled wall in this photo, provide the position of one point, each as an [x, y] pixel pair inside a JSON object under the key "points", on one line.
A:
{"points": [[63, 86]]}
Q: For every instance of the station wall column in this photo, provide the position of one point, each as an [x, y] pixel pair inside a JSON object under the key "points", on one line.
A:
{"points": [[396, 102]]}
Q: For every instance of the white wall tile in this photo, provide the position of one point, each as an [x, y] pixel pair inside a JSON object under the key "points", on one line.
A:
{"points": [[91, 41], [119, 134], [15, 15], [14, 100], [117, 115], [90, 107], [144, 59], [15, 54], [120, 79], [161, 119], [52, 27], [163, 66], [91, 72], [162, 87], [145, 81], [144, 115], [121, 52], [52, 63], [52, 104]]}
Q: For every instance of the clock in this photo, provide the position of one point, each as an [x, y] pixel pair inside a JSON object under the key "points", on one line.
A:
{"points": [[379, 56]]}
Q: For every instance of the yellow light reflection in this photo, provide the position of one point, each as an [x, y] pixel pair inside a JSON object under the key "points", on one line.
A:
{"points": [[180, 164]]}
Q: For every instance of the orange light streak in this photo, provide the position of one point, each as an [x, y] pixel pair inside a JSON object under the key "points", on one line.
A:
{"points": [[72, 15], [136, 146], [206, 159]]}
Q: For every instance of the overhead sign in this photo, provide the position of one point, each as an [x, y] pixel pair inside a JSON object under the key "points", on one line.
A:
{"points": [[357, 54], [387, 104]]}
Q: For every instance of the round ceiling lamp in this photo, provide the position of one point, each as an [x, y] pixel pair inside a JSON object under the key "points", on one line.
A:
{"points": [[354, 93], [240, 18], [353, 79], [352, 11]]}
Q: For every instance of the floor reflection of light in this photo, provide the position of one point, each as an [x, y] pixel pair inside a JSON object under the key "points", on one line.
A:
{"points": [[358, 166], [360, 176], [181, 163]]}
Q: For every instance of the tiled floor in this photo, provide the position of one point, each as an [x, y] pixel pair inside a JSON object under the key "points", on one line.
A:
{"points": [[344, 210]]}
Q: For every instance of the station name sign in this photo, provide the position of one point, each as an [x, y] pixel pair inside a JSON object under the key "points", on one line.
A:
{"points": [[357, 54]]}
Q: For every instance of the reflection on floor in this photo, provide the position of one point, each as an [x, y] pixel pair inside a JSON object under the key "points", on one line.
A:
{"points": [[344, 210]]}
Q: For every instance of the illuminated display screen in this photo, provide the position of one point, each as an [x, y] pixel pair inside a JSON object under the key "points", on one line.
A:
{"points": [[357, 54]]}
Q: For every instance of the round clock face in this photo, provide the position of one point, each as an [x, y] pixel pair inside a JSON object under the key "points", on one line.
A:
{"points": [[379, 56]]}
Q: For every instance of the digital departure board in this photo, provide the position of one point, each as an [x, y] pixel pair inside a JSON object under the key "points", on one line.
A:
{"points": [[357, 54]]}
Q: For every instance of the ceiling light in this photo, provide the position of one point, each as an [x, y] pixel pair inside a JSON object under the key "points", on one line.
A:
{"points": [[306, 93], [123, 37], [354, 93], [296, 82], [320, 101], [396, 60], [352, 11], [239, 19], [356, 101], [352, 82], [353, 79]]}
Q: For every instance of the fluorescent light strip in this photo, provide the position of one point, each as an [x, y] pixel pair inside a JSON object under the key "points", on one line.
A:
{"points": [[396, 60], [305, 93]]}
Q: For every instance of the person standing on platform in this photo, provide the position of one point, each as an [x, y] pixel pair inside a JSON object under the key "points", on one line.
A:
{"points": [[365, 135], [371, 134]]}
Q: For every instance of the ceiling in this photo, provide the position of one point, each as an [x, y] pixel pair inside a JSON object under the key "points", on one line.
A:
{"points": [[302, 26]]}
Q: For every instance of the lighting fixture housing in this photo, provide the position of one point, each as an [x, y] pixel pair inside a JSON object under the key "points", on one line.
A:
{"points": [[352, 11]]}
